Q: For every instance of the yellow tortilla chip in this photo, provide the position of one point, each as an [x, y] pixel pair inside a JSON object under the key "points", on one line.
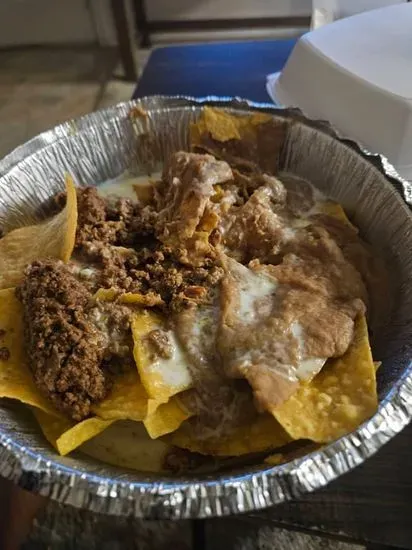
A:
{"points": [[66, 436], [219, 194], [338, 399], [224, 126], [15, 378], [208, 223], [145, 191], [127, 399], [149, 299], [260, 435], [144, 300], [335, 210], [244, 140], [161, 378], [53, 238], [127, 444], [105, 294], [166, 418], [275, 459]]}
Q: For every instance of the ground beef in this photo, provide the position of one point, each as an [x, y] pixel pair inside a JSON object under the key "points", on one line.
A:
{"points": [[152, 272], [124, 245], [65, 348], [91, 207], [113, 320], [118, 239], [111, 221], [4, 354], [160, 344]]}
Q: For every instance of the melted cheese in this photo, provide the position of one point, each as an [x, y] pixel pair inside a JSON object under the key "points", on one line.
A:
{"points": [[124, 185], [173, 371], [308, 367], [162, 378], [254, 289]]}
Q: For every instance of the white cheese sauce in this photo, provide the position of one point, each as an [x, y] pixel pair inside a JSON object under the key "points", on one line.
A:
{"points": [[308, 367], [254, 289], [173, 371], [124, 185], [254, 304]]}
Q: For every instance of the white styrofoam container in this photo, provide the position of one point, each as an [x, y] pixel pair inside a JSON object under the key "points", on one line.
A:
{"points": [[357, 73], [326, 11]]}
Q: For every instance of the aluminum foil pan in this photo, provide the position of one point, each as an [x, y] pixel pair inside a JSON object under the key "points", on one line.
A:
{"points": [[101, 146]]}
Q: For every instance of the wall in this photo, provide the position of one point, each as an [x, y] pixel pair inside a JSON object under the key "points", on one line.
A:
{"points": [[34, 22], [89, 21], [177, 10], [25, 22], [45, 21]]}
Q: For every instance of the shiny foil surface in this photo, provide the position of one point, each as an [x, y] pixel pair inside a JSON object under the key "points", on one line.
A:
{"points": [[103, 145]]}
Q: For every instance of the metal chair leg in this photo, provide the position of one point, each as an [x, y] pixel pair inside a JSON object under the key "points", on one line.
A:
{"points": [[141, 23], [125, 39]]}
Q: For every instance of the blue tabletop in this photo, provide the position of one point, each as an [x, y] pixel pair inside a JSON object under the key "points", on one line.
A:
{"points": [[224, 69]]}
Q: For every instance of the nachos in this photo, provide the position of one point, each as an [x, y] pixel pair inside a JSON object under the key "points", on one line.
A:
{"points": [[223, 313]]}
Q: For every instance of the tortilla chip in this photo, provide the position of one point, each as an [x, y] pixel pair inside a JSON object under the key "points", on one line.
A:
{"points": [[106, 294], [166, 418], [335, 210], [126, 444], [275, 459], [150, 299], [53, 238], [338, 399], [15, 378], [240, 139], [161, 378], [260, 435], [208, 222], [145, 300], [127, 399], [224, 126], [145, 191], [65, 436]]}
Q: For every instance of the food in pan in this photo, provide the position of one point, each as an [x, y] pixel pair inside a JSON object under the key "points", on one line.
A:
{"points": [[222, 311]]}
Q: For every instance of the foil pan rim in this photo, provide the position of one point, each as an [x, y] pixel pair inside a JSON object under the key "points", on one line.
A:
{"points": [[231, 494], [69, 127]]}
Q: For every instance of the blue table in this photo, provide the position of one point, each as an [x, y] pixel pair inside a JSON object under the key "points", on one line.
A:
{"points": [[224, 69]]}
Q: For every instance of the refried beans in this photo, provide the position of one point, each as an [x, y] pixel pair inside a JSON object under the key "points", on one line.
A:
{"points": [[260, 286]]}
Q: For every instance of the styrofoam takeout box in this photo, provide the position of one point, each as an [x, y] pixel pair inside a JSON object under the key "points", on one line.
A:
{"points": [[357, 73]]}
